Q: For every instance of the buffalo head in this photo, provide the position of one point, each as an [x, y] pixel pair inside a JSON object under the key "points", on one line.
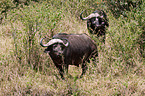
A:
{"points": [[55, 46]]}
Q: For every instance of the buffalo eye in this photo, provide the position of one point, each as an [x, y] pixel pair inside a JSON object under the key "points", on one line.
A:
{"points": [[58, 47], [93, 19], [100, 20], [55, 45]]}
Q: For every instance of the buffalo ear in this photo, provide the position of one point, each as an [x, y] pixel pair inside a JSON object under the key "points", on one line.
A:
{"points": [[107, 24]]}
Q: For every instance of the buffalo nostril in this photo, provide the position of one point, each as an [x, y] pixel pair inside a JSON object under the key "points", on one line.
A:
{"points": [[45, 51], [103, 22]]}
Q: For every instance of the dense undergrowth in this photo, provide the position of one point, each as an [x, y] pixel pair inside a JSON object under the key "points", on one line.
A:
{"points": [[27, 70]]}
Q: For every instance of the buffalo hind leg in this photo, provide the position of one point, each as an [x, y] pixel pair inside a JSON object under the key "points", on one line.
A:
{"points": [[84, 68]]}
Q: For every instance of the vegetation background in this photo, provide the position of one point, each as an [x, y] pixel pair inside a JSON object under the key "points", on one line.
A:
{"points": [[26, 70]]}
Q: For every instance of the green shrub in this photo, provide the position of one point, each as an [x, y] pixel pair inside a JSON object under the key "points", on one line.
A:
{"points": [[5, 5], [37, 21], [119, 7], [26, 70]]}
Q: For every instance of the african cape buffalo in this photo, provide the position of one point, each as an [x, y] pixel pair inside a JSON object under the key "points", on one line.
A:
{"points": [[70, 49], [96, 22]]}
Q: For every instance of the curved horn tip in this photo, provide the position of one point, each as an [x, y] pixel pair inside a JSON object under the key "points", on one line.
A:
{"points": [[67, 42], [66, 45], [43, 45], [41, 42], [81, 15]]}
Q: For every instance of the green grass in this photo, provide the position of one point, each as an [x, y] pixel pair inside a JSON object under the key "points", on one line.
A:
{"points": [[27, 70]]}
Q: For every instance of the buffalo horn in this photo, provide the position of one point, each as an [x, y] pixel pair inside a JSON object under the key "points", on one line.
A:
{"points": [[90, 16], [52, 41]]}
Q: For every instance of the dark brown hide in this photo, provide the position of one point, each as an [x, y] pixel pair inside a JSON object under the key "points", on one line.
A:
{"points": [[80, 49], [97, 22]]}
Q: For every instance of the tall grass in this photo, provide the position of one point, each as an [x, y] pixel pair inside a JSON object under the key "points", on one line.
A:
{"points": [[27, 70]]}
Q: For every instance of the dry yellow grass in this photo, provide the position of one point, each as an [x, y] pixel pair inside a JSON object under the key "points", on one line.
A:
{"points": [[119, 70]]}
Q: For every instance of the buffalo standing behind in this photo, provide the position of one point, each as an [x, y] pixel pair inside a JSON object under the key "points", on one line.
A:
{"points": [[97, 23]]}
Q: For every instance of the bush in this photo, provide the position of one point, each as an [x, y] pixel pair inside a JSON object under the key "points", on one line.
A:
{"points": [[26, 70], [120, 7], [5, 5], [36, 22]]}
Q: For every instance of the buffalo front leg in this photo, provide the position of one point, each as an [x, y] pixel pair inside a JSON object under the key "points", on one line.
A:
{"points": [[61, 71], [66, 68], [103, 38], [84, 68]]}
